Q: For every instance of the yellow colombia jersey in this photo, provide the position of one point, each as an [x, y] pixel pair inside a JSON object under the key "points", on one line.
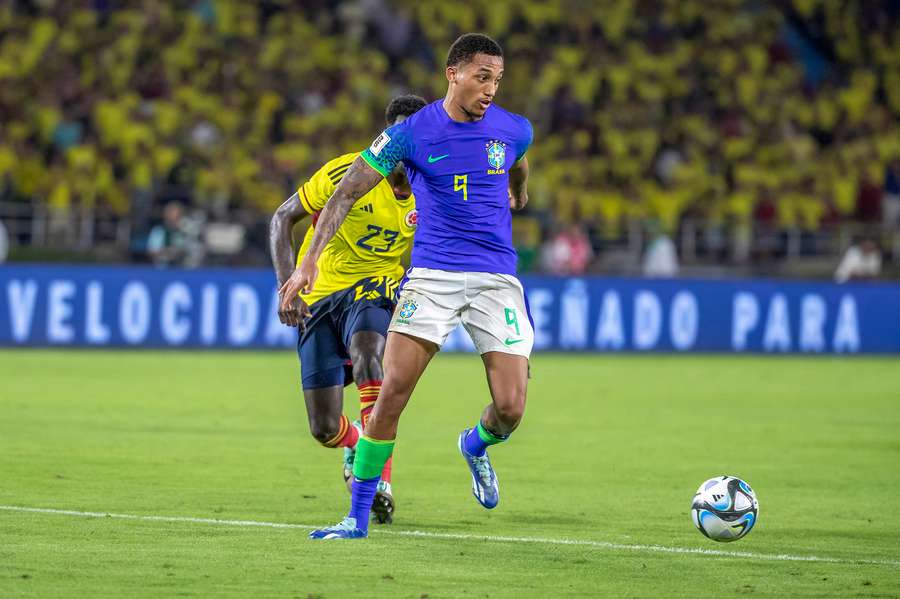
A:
{"points": [[376, 234]]}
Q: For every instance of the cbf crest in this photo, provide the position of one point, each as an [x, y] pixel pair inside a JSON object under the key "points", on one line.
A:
{"points": [[496, 155], [407, 309]]}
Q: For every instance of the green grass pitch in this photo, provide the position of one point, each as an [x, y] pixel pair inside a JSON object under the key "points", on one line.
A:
{"points": [[610, 452]]}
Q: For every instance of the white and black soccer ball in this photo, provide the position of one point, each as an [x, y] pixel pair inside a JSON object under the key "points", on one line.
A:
{"points": [[725, 508]]}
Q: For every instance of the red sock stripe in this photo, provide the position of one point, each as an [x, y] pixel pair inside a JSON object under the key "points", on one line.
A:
{"points": [[342, 430], [364, 414], [347, 435], [386, 472], [368, 393], [351, 438]]}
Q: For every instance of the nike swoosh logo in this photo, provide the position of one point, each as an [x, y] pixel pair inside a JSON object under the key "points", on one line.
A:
{"points": [[512, 341], [432, 159]]}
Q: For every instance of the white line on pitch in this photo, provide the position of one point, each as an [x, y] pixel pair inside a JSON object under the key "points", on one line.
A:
{"points": [[471, 537]]}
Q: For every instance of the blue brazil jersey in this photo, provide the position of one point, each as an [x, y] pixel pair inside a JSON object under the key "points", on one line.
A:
{"points": [[459, 174]]}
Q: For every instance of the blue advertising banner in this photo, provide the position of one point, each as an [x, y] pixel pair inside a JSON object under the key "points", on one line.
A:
{"points": [[83, 306]]}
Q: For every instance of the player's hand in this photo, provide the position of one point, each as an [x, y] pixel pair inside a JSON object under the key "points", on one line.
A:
{"points": [[296, 315], [517, 202], [301, 280]]}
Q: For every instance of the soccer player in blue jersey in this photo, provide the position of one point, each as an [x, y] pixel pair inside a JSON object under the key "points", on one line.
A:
{"points": [[465, 158]]}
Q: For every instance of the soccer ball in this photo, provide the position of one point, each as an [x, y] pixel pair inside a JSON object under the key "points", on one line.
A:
{"points": [[724, 508]]}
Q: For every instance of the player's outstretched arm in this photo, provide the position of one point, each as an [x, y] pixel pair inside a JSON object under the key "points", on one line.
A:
{"points": [[288, 214], [359, 180], [518, 184]]}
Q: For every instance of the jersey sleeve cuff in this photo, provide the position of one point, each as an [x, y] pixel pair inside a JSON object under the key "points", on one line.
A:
{"points": [[371, 161]]}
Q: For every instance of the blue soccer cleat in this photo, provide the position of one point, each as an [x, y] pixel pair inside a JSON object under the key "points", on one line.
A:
{"points": [[345, 529], [484, 480]]}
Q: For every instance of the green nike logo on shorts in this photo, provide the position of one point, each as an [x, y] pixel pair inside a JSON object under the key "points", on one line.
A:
{"points": [[436, 158], [512, 341]]}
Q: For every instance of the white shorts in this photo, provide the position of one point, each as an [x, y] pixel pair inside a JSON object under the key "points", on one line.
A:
{"points": [[490, 306]]}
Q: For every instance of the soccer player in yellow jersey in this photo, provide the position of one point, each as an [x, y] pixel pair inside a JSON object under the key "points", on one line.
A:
{"points": [[343, 322]]}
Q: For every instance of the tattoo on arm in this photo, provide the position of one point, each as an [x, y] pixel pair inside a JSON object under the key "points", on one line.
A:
{"points": [[280, 227], [359, 180]]}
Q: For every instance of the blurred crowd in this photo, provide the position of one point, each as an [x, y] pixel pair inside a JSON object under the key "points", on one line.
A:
{"points": [[771, 116]]}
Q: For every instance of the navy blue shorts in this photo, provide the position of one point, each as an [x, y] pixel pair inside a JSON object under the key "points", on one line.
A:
{"points": [[324, 346]]}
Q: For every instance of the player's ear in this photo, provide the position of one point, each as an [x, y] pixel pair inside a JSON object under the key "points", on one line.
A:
{"points": [[452, 73]]}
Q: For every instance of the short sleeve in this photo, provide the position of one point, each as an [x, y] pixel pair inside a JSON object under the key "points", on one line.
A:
{"points": [[393, 145], [315, 192], [525, 138]]}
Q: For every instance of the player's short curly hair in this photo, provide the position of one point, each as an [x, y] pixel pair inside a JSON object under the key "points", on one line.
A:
{"points": [[405, 105], [468, 45]]}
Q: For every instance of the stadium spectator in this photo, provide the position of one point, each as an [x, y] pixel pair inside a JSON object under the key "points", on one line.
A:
{"points": [[176, 241], [526, 230], [868, 200], [891, 201], [568, 252], [661, 257], [861, 261]]}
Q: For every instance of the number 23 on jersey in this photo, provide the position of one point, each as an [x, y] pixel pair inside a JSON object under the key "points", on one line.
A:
{"points": [[367, 242]]}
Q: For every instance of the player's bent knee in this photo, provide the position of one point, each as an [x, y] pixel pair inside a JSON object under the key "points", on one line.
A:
{"points": [[366, 367], [324, 431], [511, 414], [366, 351], [510, 408]]}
